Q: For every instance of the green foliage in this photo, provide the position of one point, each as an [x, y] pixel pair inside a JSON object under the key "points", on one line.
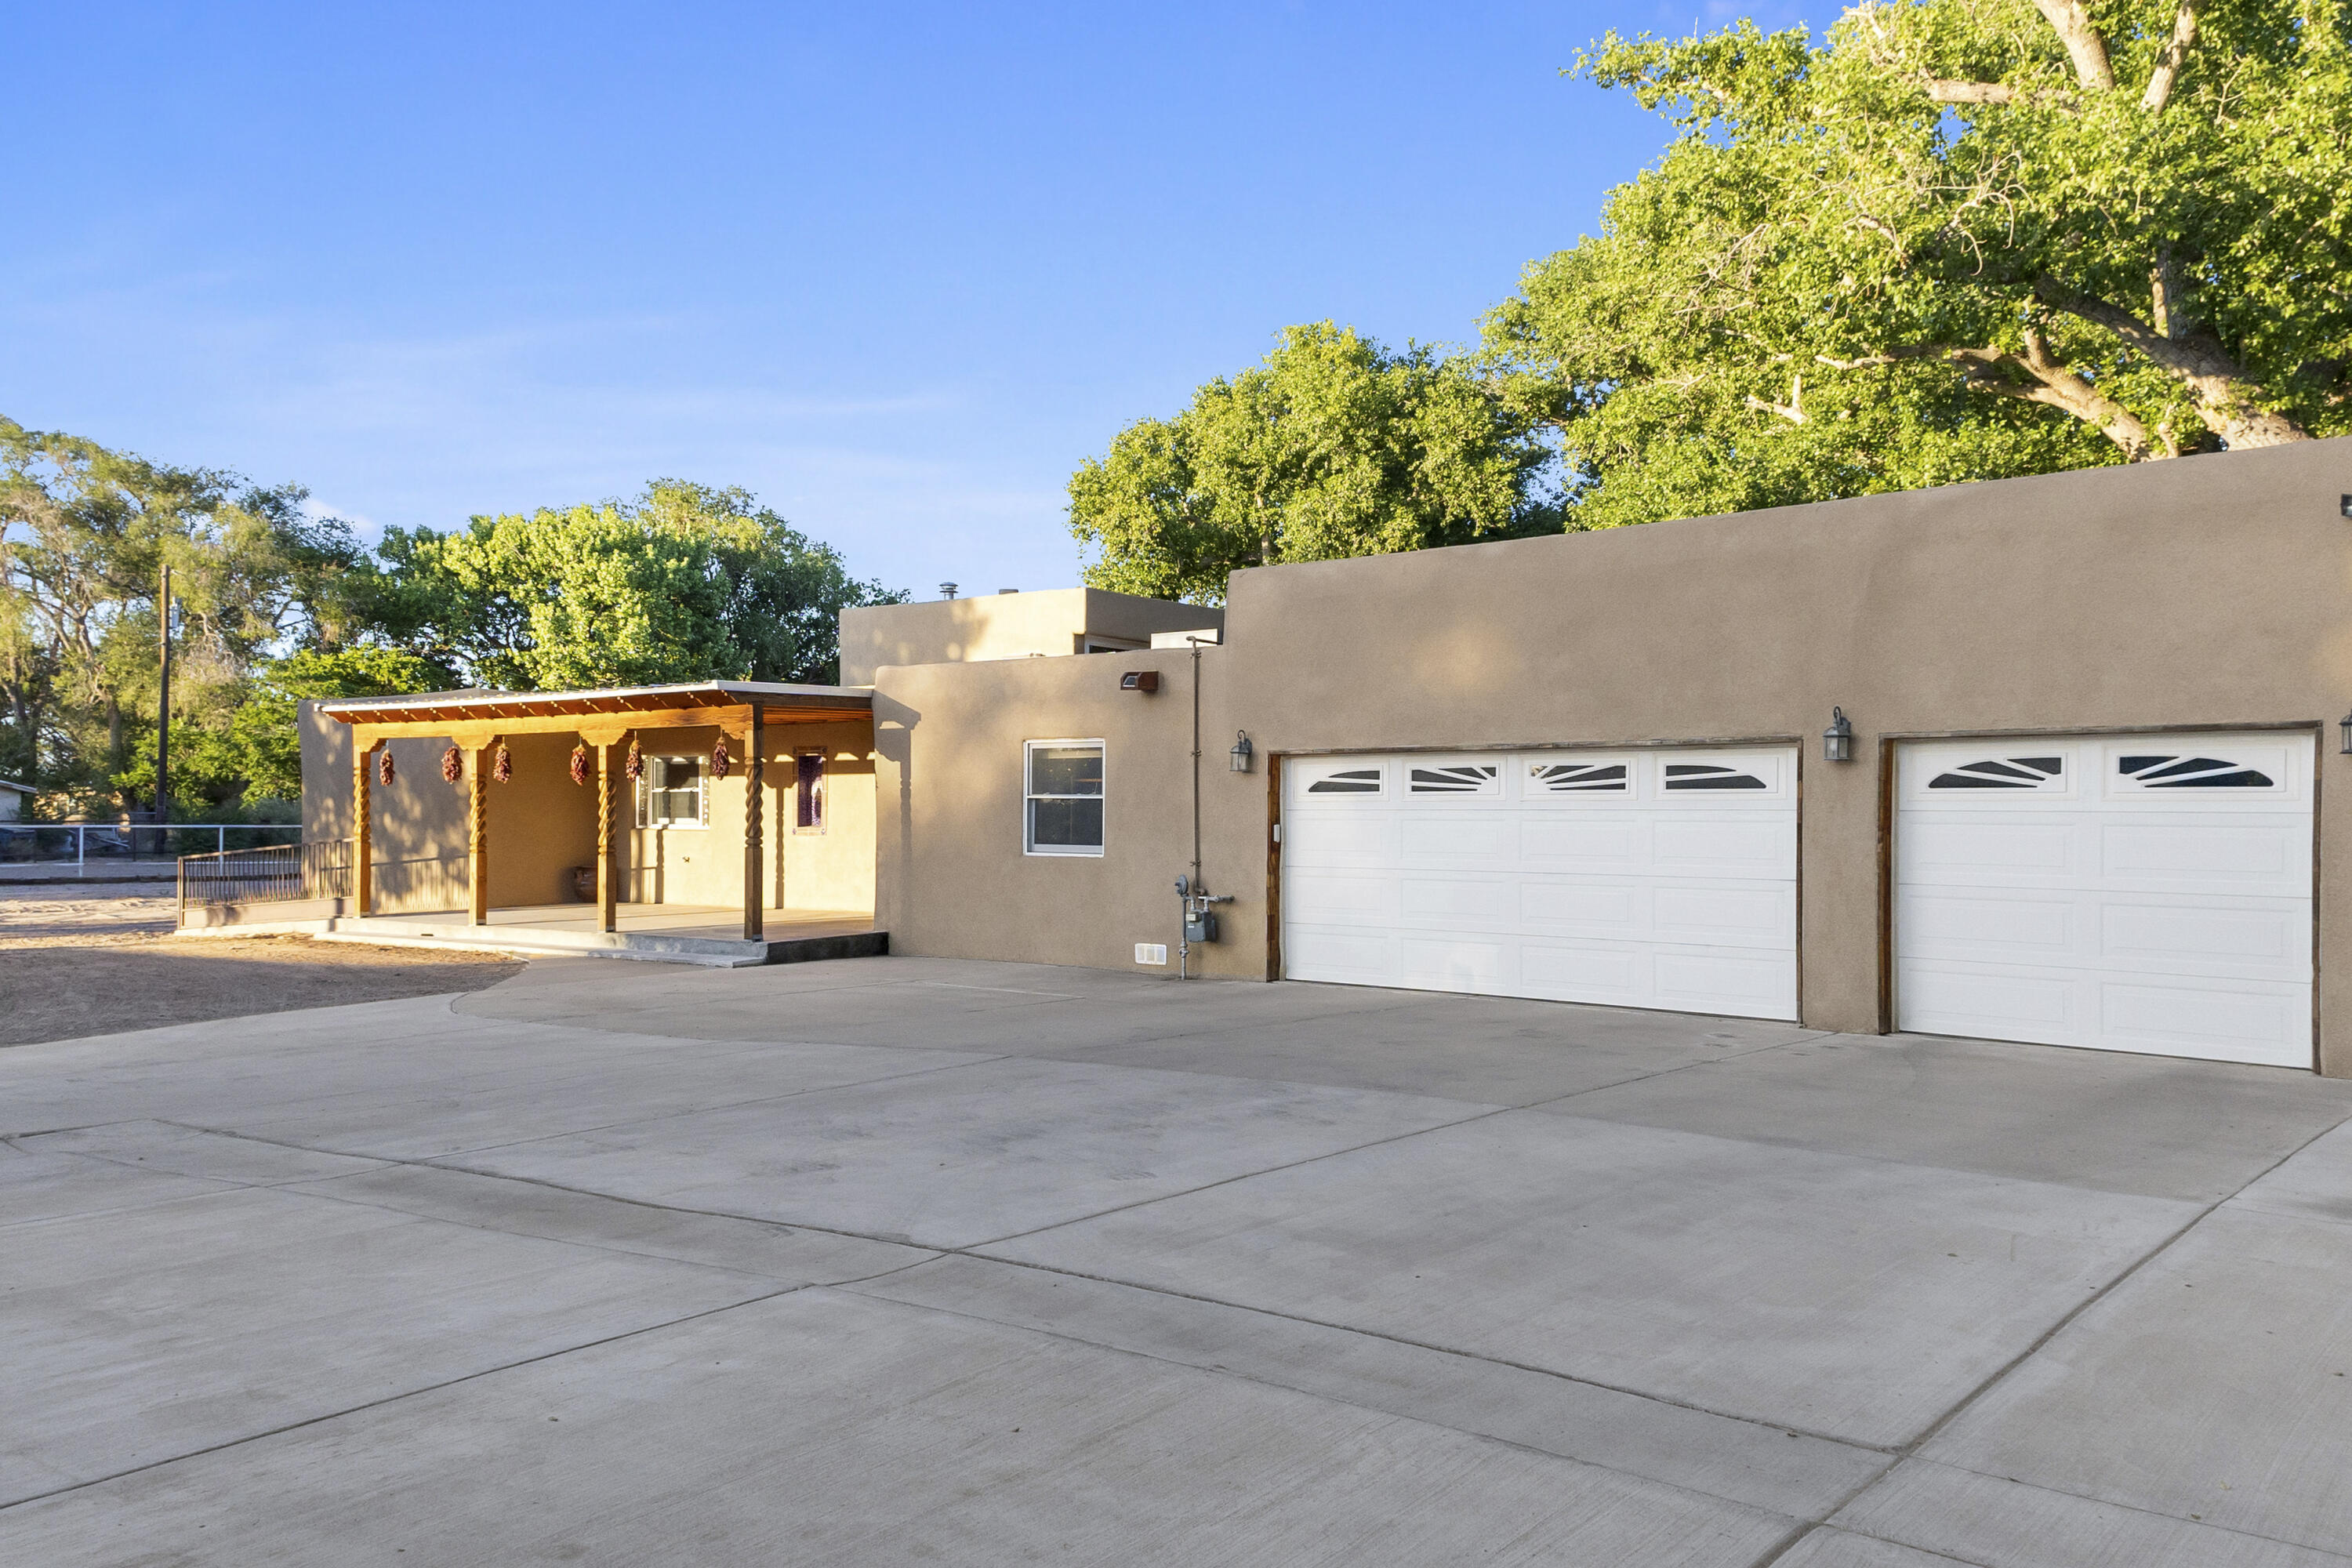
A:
{"points": [[686, 583], [1954, 240], [84, 533], [1333, 446]]}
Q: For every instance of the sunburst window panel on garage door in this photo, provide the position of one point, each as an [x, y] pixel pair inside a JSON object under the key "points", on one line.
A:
{"points": [[2138, 893], [1652, 878]]}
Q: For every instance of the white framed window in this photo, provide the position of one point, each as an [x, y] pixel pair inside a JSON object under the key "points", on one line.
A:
{"points": [[1062, 813], [672, 791]]}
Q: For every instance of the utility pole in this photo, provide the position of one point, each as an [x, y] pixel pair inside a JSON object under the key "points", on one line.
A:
{"points": [[163, 709]]}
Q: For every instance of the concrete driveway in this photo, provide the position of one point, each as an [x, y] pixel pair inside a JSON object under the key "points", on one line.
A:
{"points": [[901, 1260]]}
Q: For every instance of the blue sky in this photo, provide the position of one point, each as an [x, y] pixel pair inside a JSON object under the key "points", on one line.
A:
{"points": [[896, 270]]}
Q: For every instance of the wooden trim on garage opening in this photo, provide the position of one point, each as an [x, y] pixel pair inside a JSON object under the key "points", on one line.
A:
{"points": [[2318, 751], [1888, 758], [1797, 787], [1475, 746], [1274, 866], [2080, 731]]}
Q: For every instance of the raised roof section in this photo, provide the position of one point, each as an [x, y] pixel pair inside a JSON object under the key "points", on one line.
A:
{"points": [[1053, 622]]}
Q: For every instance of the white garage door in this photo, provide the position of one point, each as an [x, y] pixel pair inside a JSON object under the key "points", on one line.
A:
{"points": [[1659, 878], [2134, 893]]}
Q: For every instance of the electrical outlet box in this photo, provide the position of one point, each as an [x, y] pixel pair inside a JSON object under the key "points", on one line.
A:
{"points": [[1152, 952]]}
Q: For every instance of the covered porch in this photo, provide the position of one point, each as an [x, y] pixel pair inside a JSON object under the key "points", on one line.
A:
{"points": [[727, 822]]}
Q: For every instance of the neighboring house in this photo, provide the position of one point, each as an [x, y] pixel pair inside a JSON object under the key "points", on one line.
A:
{"points": [[14, 798], [2091, 725]]}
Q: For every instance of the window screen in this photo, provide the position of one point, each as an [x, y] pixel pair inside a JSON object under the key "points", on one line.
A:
{"points": [[1064, 797], [808, 811], [671, 792]]}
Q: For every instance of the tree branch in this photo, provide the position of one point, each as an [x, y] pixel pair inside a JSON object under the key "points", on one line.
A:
{"points": [[2168, 64], [2071, 20], [1942, 90], [2053, 384], [1947, 90], [2227, 399], [1793, 411]]}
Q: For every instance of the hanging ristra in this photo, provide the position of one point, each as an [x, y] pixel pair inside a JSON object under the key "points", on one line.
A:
{"points": [[718, 759], [383, 765], [634, 767], [453, 765], [502, 764], [580, 763]]}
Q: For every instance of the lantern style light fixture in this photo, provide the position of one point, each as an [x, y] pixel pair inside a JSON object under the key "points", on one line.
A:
{"points": [[1837, 741], [2345, 724], [1239, 757]]}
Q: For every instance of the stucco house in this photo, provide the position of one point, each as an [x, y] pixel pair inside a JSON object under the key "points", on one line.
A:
{"points": [[2042, 760], [14, 798]]}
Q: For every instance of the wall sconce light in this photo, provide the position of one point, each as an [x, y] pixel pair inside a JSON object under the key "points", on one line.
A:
{"points": [[1837, 741], [2345, 724], [1139, 680], [1243, 750]]}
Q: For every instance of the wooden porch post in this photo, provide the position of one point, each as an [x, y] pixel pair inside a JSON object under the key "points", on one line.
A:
{"points": [[608, 883], [755, 881], [607, 893], [478, 831], [364, 747]]}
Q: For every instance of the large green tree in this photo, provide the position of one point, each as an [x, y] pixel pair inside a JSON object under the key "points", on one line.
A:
{"points": [[1956, 239], [1333, 446], [685, 583], [84, 535]]}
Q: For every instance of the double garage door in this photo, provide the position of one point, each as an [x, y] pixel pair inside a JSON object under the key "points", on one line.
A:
{"points": [[1650, 878], [2140, 893]]}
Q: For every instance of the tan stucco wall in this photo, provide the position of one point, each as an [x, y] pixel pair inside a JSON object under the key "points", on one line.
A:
{"points": [[833, 869], [2213, 592], [419, 815], [1002, 625]]}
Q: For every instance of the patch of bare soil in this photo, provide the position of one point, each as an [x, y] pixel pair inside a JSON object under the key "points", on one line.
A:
{"points": [[101, 960]]}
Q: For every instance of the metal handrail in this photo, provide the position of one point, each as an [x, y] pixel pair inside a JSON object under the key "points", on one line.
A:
{"points": [[321, 868], [125, 840]]}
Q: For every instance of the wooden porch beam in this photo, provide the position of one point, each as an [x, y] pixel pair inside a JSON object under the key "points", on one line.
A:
{"points": [[476, 731]]}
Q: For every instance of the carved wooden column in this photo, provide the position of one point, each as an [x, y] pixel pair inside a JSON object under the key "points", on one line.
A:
{"points": [[608, 883], [478, 830], [607, 895], [755, 881], [364, 747]]}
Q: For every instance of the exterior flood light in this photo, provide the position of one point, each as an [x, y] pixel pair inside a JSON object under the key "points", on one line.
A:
{"points": [[1243, 750], [2345, 724], [1139, 680], [1837, 741]]}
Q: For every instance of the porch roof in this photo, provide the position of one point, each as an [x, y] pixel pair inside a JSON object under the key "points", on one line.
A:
{"points": [[776, 703]]}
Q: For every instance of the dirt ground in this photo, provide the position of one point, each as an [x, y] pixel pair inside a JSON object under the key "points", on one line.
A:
{"points": [[103, 958]]}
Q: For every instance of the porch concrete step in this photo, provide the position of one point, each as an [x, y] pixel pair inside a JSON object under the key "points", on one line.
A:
{"points": [[659, 947]]}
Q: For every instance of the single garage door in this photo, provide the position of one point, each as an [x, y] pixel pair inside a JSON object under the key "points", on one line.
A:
{"points": [[1652, 878], [2132, 893]]}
